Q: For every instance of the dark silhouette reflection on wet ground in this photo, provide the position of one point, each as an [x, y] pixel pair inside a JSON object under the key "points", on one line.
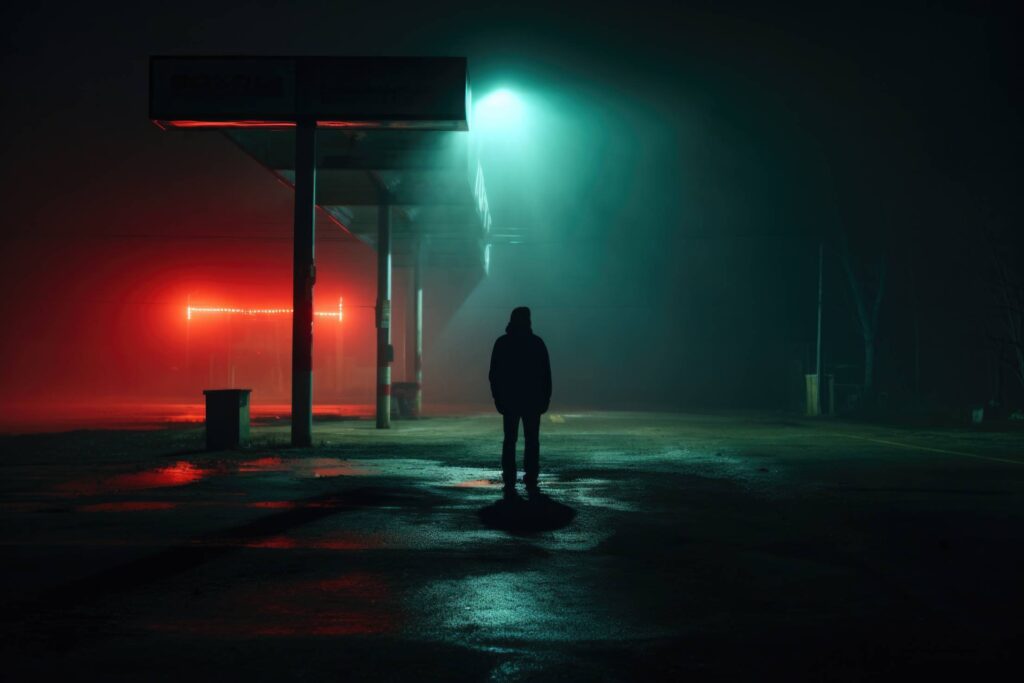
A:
{"points": [[518, 515]]}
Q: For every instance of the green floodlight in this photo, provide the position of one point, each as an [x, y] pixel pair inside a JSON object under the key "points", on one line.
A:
{"points": [[499, 110]]}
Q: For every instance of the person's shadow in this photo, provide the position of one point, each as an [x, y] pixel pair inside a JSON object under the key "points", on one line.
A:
{"points": [[516, 515]]}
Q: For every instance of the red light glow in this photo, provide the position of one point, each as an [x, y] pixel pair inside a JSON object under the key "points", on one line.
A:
{"points": [[191, 310], [349, 124], [253, 123], [225, 124]]}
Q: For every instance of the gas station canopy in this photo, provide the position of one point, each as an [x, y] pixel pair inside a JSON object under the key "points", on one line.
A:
{"points": [[391, 131], [379, 143], [428, 93]]}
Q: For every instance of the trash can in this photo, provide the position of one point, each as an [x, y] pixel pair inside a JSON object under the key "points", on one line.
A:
{"points": [[227, 418], [403, 400]]}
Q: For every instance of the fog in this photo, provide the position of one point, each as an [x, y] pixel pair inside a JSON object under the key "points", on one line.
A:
{"points": [[659, 199]]}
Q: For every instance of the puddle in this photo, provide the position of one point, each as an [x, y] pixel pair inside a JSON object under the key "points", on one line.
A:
{"points": [[180, 473], [476, 484], [307, 468], [333, 467], [184, 472]]}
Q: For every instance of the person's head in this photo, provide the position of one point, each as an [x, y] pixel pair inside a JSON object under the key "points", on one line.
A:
{"points": [[519, 321]]}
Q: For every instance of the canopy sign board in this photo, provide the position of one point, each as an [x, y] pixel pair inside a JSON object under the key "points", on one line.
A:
{"points": [[428, 93]]}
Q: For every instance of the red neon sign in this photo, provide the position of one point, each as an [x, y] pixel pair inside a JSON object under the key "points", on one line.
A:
{"points": [[191, 310]]}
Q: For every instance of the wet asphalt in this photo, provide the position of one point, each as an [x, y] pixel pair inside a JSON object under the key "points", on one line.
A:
{"points": [[661, 547]]}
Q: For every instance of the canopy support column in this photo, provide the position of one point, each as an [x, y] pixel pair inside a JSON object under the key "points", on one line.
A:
{"points": [[384, 350], [415, 327], [304, 277]]}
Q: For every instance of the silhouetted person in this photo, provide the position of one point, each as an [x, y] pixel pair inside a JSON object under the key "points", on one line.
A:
{"points": [[521, 386]]}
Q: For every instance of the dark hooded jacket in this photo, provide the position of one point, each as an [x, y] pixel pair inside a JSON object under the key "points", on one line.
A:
{"points": [[520, 369]]}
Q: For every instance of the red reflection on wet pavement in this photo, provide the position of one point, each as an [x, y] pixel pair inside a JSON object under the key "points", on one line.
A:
{"points": [[350, 604], [128, 506], [476, 484], [179, 474], [268, 464], [276, 542], [335, 542], [305, 467], [183, 472], [344, 544], [334, 467], [273, 504]]}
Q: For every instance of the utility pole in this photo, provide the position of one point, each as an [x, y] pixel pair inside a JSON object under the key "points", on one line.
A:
{"points": [[817, 353]]}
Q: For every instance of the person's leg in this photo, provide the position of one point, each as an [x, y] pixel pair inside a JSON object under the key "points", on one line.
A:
{"points": [[508, 449], [531, 455]]}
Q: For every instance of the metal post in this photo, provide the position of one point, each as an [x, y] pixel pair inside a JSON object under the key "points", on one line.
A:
{"points": [[304, 274], [817, 355], [339, 348], [416, 330], [188, 338], [229, 357], [384, 350]]}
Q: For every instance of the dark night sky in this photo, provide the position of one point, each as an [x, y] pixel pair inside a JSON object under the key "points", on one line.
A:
{"points": [[693, 156]]}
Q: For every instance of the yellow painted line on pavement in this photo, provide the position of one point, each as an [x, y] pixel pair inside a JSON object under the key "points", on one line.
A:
{"points": [[916, 447]]}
